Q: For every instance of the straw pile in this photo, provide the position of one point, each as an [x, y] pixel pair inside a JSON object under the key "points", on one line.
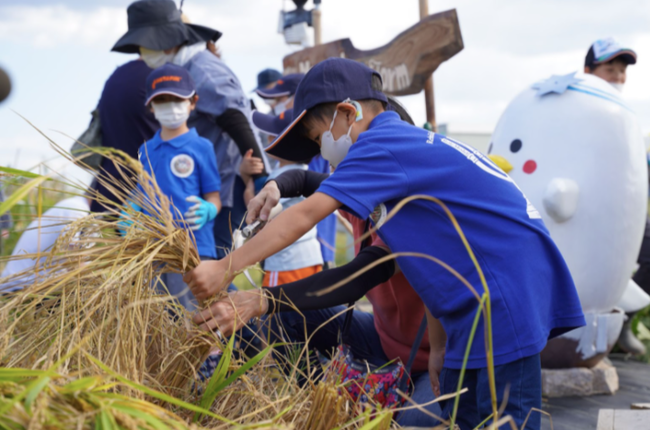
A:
{"points": [[105, 350], [91, 293]]}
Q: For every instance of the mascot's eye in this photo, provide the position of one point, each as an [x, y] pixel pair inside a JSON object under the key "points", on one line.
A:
{"points": [[515, 145], [490, 147]]}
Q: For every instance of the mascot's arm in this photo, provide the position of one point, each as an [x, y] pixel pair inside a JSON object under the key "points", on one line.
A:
{"points": [[561, 199]]}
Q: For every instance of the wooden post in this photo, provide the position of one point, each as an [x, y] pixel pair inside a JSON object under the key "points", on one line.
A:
{"points": [[315, 17], [428, 84]]}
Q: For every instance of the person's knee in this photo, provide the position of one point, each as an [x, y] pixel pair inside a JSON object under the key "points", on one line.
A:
{"points": [[422, 395]]}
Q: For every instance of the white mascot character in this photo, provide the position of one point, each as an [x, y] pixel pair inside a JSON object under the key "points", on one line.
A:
{"points": [[576, 150]]}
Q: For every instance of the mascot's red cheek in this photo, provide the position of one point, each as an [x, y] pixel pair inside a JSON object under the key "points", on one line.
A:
{"points": [[530, 166]]}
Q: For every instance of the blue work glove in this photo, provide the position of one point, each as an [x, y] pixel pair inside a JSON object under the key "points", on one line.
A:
{"points": [[125, 222], [199, 214]]}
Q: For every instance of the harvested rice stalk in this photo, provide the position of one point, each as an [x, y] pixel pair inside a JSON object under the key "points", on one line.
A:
{"points": [[92, 292], [91, 302], [329, 408]]}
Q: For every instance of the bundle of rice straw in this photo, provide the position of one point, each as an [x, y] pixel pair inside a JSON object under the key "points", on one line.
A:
{"points": [[91, 307], [92, 292]]}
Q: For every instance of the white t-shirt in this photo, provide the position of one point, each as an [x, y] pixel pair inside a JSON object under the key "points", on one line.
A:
{"points": [[52, 224], [305, 252]]}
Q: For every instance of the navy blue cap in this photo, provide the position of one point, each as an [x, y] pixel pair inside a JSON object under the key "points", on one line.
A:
{"points": [[266, 77], [331, 81], [169, 79], [285, 86], [272, 124]]}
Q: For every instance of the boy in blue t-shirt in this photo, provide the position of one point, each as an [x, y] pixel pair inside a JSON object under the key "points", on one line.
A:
{"points": [[183, 164], [380, 160]]}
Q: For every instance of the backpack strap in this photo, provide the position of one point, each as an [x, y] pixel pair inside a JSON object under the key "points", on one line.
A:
{"points": [[403, 384]]}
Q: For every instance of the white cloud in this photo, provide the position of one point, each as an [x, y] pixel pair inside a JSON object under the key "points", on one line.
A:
{"points": [[509, 44], [49, 26]]}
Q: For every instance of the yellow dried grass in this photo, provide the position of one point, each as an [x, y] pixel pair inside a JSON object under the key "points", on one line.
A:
{"points": [[92, 300]]}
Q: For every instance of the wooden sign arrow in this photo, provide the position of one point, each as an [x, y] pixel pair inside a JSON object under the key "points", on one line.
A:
{"points": [[405, 63]]}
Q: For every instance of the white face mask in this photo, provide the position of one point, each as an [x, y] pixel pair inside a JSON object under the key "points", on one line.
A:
{"points": [[618, 86], [171, 114], [332, 150], [155, 59], [281, 107]]}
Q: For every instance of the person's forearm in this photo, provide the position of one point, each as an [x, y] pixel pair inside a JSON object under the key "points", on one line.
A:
{"points": [[249, 191], [309, 293], [285, 229], [437, 335], [214, 198], [298, 182], [235, 123]]}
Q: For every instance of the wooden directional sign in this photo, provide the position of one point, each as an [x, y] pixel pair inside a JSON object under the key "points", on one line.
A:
{"points": [[405, 63]]}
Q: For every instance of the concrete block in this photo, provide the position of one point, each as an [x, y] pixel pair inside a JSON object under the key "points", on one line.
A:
{"points": [[623, 419]]}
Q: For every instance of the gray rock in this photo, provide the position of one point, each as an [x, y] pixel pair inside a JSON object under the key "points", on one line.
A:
{"points": [[579, 381], [605, 378]]}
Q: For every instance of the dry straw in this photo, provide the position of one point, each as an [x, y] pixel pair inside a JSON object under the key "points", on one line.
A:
{"points": [[95, 345]]}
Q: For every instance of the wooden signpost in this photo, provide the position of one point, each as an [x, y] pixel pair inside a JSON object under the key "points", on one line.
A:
{"points": [[405, 63]]}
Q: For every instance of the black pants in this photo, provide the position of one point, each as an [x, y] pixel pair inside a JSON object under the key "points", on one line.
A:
{"points": [[642, 275]]}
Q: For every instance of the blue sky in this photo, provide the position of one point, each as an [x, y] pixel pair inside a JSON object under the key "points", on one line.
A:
{"points": [[58, 54]]}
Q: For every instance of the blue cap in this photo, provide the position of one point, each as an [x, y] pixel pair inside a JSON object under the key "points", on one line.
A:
{"points": [[331, 81], [285, 86], [266, 77], [272, 124], [169, 79]]}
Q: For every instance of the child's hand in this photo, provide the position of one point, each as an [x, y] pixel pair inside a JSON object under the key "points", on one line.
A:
{"points": [[233, 312], [199, 214], [208, 278], [436, 360], [250, 166], [262, 204]]}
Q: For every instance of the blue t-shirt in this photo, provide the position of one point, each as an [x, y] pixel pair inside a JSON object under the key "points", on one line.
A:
{"points": [[326, 229], [184, 166], [532, 293]]}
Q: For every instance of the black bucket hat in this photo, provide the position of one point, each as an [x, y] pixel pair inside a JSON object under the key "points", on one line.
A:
{"points": [[157, 25]]}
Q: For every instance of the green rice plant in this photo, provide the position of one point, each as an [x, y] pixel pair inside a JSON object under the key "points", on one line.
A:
{"points": [[42, 399]]}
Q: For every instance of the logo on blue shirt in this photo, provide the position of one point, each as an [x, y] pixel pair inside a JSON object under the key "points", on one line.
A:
{"points": [[182, 165]]}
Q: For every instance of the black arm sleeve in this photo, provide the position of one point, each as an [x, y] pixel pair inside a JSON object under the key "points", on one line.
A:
{"points": [[235, 123], [298, 182], [300, 293]]}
